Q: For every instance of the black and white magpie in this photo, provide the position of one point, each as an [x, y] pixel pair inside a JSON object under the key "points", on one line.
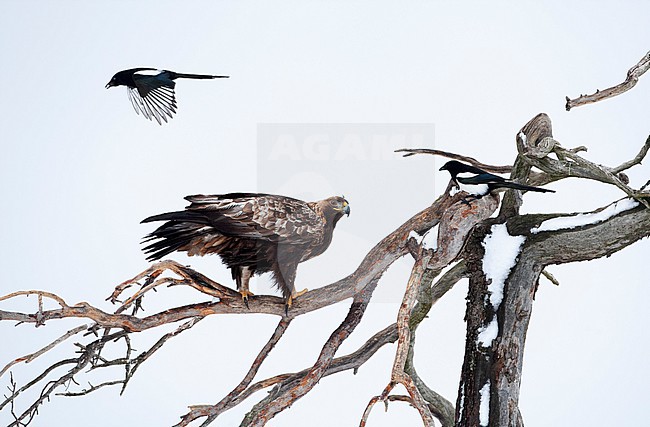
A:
{"points": [[151, 91], [478, 182]]}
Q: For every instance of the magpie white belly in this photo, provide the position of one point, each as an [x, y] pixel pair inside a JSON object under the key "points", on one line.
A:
{"points": [[474, 189]]}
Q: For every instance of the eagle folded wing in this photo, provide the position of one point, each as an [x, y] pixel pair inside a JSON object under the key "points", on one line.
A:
{"points": [[265, 217]]}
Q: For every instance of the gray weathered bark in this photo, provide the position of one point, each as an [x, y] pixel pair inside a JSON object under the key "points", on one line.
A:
{"points": [[496, 367]]}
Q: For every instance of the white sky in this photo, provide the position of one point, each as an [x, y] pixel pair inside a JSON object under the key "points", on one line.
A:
{"points": [[79, 170]]}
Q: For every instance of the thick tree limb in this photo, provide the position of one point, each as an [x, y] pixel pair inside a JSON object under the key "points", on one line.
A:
{"points": [[632, 78], [585, 243], [496, 334], [454, 226]]}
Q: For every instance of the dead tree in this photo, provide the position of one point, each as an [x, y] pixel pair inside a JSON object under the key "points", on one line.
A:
{"points": [[502, 256]]}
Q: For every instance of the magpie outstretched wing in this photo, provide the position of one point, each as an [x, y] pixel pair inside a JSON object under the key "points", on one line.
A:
{"points": [[151, 91]]}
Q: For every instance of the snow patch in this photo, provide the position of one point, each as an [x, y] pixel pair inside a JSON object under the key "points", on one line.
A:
{"points": [[484, 408], [454, 190], [428, 241], [415, 235], [501, 251], [487, 334], [579, 220]]}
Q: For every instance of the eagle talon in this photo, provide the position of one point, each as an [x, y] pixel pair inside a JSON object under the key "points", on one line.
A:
{"points": [[244, 296], [291, 298], [297, 294]]}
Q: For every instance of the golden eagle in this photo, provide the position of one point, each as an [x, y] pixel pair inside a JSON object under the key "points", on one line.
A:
{"points": [[252, 233]]}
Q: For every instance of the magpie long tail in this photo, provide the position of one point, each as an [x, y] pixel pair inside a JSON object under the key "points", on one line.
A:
{"points": [[522, 187], [198, 76]]}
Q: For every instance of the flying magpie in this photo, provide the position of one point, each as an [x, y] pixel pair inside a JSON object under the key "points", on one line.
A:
{"points": [[151, 91], [478, 182]]}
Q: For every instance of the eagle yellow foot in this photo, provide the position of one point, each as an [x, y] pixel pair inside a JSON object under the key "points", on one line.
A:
{"points": [[244, 296], [292, 297]]}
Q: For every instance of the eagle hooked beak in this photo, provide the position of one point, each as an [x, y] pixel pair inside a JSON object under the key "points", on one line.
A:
{"points": [[346, 208]]}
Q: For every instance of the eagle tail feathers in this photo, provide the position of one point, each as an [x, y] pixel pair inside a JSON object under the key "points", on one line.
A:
{"points": [[186, 216], [176, 234]]}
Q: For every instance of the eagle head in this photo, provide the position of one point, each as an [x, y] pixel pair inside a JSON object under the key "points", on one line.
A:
{"points": [[333, 208], [339, 204]]}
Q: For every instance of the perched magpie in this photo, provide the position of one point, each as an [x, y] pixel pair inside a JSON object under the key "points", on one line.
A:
{"points": [[151, 91], [478, 182]]}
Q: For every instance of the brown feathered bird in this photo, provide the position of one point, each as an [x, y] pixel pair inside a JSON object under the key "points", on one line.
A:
{"points": [[252, 233]]}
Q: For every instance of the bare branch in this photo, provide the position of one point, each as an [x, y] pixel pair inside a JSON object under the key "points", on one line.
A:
{"points": [[398, 375], [40, 294], [90, 389], [85, 358], [29, 357], [635, 161], [133, 365], [632, 78], [351, 361], [279, 400], [447, 281], [440, 407], [537, 133], [211, 412], [188, 276], [383, 397], [494, 169], [550, 277]]}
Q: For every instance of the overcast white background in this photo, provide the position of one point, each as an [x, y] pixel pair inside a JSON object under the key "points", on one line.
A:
{"points": [[79, 170]]}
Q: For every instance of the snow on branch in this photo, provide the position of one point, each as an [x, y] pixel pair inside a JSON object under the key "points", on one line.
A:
{"points": [[582, 219]]}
